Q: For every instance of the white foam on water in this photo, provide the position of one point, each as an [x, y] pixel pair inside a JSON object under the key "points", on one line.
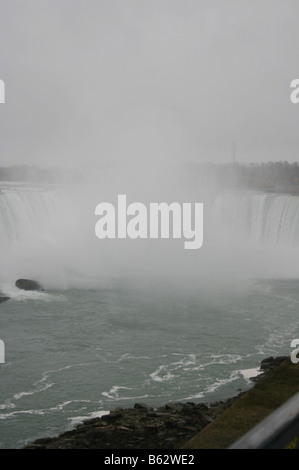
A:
{"points": [[74, 421], [43, 411], [218, 359], [137, 397], [42, 385], [16, 294], [249, 373], [127, 356], [7, 405], [164, 378], [22, 412], [222, 382], [226, 358], [113, 392], [18, 396], [193, 397], [187, 360]]}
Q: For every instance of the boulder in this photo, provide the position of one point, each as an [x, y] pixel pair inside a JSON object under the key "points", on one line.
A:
{"points": [[271, 362], [267, 362], [28, 284], [3, 299], [174, 406], [142, 406]]}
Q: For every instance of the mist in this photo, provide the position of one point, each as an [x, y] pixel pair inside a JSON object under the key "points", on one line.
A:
{"points": [[128, 93], [54, 241], [92, 83]]}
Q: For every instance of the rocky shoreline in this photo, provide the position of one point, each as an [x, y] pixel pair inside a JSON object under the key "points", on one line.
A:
{"points": [[140, 427], [143, 427]]}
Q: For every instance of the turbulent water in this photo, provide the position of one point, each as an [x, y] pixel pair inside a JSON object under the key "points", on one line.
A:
{"points": [[125, 322]]}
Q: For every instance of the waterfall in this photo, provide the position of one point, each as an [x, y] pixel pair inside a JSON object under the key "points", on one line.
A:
{"points": [[265, 219], [27, 218], [24, 213], [48, 234]]}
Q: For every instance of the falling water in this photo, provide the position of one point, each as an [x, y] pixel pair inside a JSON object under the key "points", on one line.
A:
{"points": [[263, 218], [49, 232], [23, 213], [81, 348]]}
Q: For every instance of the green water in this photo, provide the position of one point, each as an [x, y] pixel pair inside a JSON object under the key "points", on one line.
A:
{"points": [[73, 354]]}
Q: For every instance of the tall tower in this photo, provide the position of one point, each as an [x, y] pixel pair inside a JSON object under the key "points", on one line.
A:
{"points": [[233, 156]]}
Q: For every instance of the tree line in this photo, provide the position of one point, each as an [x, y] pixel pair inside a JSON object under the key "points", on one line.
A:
{"points": [[276, 176]]}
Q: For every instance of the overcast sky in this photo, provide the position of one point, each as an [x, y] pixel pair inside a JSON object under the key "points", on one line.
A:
{"points": [[90, 81]]}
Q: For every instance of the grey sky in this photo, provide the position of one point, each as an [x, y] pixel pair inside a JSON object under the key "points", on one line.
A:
{"points": [[140, 80]]}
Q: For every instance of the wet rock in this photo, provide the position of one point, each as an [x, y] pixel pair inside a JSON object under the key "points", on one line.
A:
{"points": [[142, 406], [280, 359], [152, 428], [270, 362], [267, 365], [3, 299], [207, 418], [267, 362], [113, 417], [171, 423], [140, 427], [28, 284], [191, 428], [118, 409], [174, 406]]}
